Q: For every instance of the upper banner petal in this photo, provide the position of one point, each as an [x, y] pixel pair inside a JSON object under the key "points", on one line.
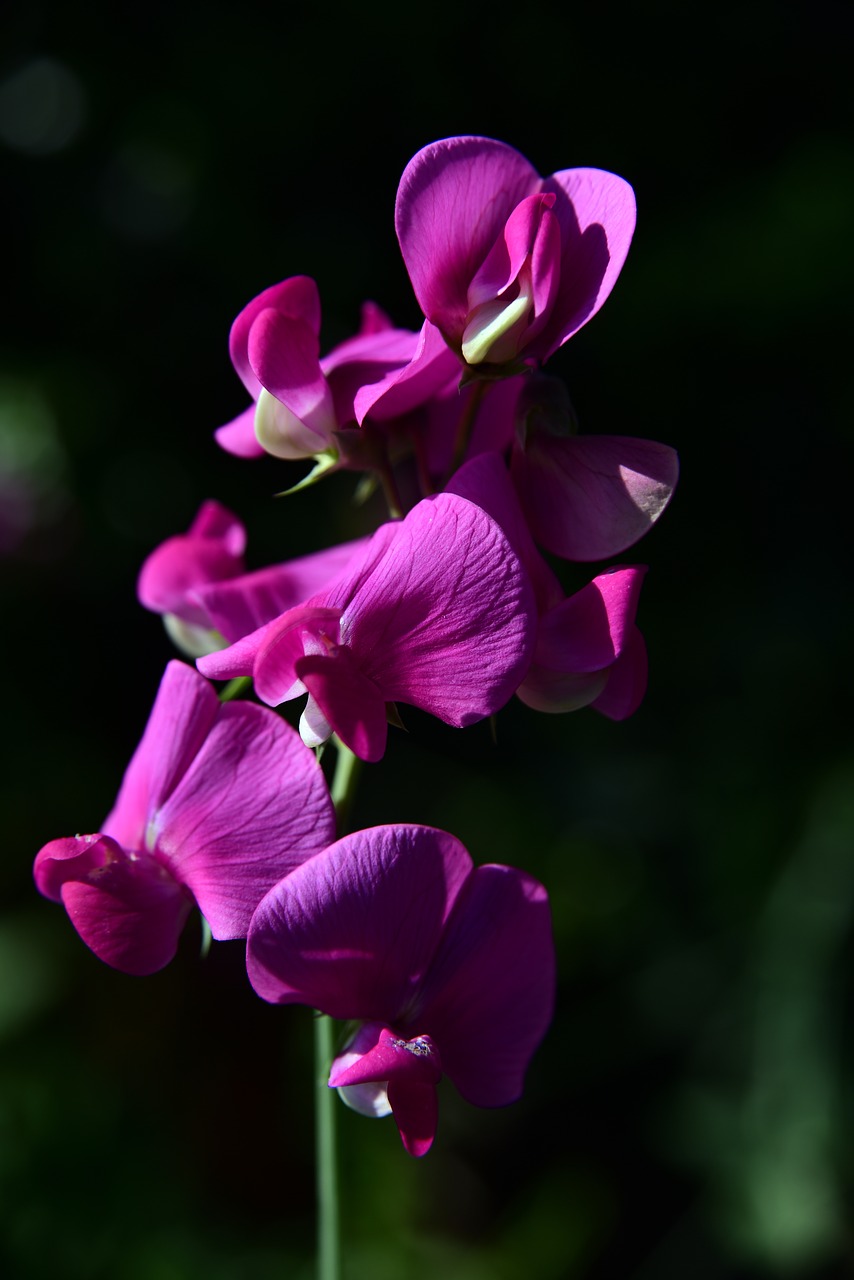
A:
{"points": [[452, 203], [252, 805], [184, 711], [353, 931]]}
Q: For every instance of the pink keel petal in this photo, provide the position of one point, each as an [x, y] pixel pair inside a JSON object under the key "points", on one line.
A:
{"points": [[126, 906], [591, 497], [513, 292], [410, 1068], [351, 703]]}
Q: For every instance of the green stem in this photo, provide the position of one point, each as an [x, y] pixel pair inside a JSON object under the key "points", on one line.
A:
{"points": [[235, 688], [328, 1232], [347, 770], [465, 426]]}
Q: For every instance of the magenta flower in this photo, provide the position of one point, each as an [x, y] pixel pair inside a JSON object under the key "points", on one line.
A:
{"points": [[509, 265], [218, 803], [450, 969], [210, 551], [302, 402], [439, 614], [197, 582]]}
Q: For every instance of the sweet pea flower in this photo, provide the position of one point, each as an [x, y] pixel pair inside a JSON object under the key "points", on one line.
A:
{"points": [[306, 406], [211, 550], [217, 804], [588, 652], [509, 265], [197, 582], [439, 613], [449, 968]]}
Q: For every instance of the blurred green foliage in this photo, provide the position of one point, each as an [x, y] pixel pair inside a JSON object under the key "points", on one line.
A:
{"points": [[689, 1113]]}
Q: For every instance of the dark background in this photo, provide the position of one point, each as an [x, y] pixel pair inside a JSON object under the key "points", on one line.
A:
{"points": [[690, 1113]]}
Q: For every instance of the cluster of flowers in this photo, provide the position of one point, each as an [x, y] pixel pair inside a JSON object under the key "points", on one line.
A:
{"points": [[451, 607]]}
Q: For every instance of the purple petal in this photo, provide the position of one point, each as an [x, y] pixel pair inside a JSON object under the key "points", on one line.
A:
{"points": [[252, 806], [182, 716], [296, 298], [488, 997], [364, 360], [588, 630], [353, 931], [485, 481], [269, 653], [627, 680], [596, 211], [238, 436], [591, 497], [431, 367], [244, 604], [452, 203], [126, 906], [443, 616]]}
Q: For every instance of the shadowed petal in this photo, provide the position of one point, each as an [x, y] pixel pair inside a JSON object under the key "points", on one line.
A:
{"points": [[597, 212], [627, 680], [353, 931], [588, 630], [591, 497], [488, 997], [244, 604]]}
